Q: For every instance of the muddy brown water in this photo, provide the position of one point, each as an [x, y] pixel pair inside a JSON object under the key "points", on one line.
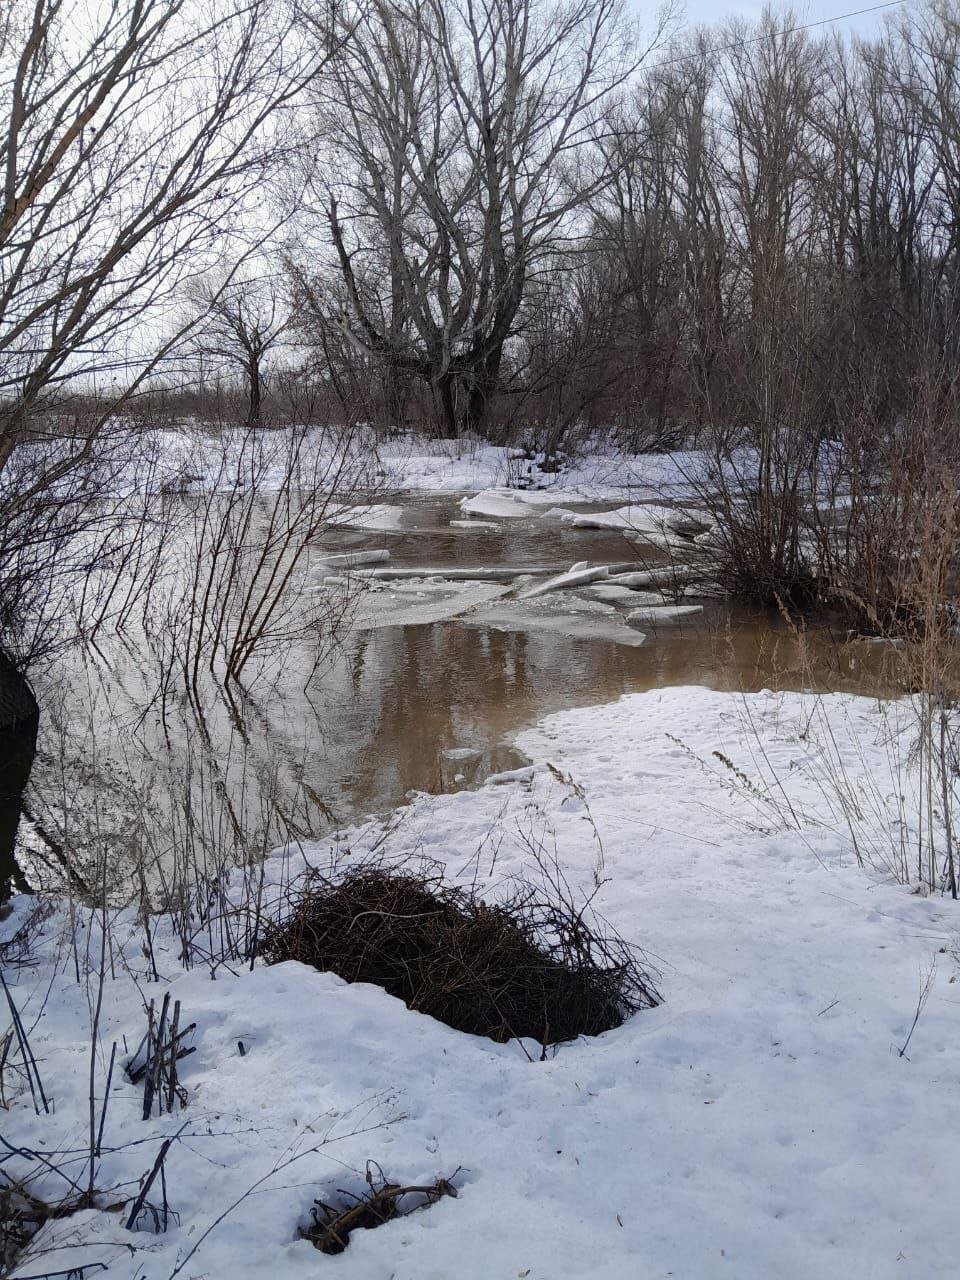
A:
{"points": [[380, 721]]}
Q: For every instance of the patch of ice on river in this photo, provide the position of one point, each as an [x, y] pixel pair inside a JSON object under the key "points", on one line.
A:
{"points": [[503, 504], [474, 524], [415, 605], [565, 615], [570, 625], [646, 519], [380, 515], [660, 617], [354, 559], [514, 504]]}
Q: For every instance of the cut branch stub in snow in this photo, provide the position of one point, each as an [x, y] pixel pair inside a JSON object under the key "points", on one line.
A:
{"points": [[332, 1225], [155, 1060]]}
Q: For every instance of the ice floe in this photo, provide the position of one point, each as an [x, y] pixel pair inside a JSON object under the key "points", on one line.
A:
{"points": [[642, 518], [354, 559], [380, 515], [664, 615], [408, 608]]}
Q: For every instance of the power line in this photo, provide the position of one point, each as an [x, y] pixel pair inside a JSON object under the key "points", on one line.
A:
{"points": [[773, 35]]}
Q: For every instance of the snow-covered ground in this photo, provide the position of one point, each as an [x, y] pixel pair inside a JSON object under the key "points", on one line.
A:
{"points": [[595, 474], [196, 458], [761, 1122]]}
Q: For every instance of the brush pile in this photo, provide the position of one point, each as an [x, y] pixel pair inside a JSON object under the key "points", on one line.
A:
{"points": [[533, 965]]}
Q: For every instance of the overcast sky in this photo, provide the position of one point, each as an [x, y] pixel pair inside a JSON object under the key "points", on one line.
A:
{"points": [[709, 11]]}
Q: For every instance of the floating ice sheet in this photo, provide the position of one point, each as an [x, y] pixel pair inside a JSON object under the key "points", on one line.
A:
{"points": [[664, 615], [406, 608]]}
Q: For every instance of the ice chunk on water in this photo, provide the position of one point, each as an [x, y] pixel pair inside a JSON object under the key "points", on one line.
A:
{"points": [[616, 593], [380, 515], [500, 503], [667, 615], [567, 615], [667, 575], [644, 518], [389, 609], [353, 559], [577, 576]]}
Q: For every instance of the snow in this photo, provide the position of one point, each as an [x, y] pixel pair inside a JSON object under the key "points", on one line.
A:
{"points": [[195, 456], [760, 1123], [595, 472]]}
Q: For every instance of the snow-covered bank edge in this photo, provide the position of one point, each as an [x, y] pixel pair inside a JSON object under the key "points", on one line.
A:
{"points": [[760, 1122], [195, 457]]}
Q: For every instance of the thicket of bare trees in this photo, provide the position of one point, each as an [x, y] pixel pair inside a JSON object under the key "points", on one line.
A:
{"points": [[750, 241], [507, 217], [780, 241]]}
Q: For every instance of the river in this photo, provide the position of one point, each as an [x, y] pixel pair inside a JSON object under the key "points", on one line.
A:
{"points": [[297, 751]]}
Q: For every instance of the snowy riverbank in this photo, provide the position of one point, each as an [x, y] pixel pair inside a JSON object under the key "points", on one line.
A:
{"points": [[197, 457], [760, 1122]]}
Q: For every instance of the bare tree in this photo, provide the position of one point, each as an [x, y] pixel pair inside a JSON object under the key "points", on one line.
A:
{"points": [[136, 132], [129, 143], [460, 135], [240, 323]]}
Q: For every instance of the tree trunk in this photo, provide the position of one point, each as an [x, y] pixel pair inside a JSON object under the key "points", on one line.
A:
{"points": [[446, 408], [255, 392], [482, 391]]}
